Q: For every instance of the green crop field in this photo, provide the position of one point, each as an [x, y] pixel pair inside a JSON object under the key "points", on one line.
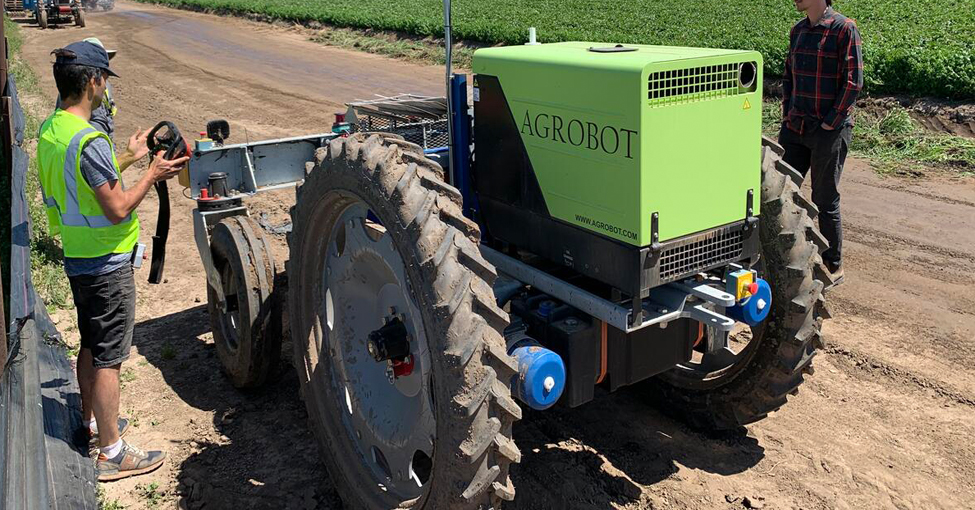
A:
{"points": [[920, 47]]}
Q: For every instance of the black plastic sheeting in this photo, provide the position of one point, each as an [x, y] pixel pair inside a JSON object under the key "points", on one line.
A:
{"points": [[41, 464]]}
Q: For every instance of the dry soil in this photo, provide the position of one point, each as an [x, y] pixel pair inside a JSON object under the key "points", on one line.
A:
{"points": [[887, 420]]}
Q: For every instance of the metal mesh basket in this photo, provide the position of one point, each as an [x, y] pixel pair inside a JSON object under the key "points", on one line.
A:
{"points": [[419, 119]]}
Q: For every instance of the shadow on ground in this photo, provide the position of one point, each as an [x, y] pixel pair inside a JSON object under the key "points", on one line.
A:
{"points": [[609, 450], [259, 452]]}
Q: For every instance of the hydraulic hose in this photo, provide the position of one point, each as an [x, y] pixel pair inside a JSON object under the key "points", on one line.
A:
{"points": [[164, 137]]}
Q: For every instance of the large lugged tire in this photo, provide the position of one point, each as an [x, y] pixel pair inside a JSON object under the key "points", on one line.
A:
{"points": [[41, 16], [781, 350], [247, 333], [79, 16], [420, 236]]}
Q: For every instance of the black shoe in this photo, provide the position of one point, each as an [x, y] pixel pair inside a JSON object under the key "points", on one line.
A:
{"points": [[835, 273]]}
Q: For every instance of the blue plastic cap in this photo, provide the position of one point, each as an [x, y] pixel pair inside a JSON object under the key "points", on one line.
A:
{"points": [[546, 307], [754, 309], [541, 376]]}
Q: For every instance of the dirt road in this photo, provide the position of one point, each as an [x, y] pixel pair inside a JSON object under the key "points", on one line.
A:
{"points": [[887, 420]]}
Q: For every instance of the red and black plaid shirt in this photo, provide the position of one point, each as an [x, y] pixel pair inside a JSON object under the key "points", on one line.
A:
{"points": [[823, 73]]}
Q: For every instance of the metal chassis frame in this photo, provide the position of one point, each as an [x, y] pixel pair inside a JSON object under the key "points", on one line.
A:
{"points": [[251, 168], [203, 223], [275, 164], [256, 166], [685, 299]]}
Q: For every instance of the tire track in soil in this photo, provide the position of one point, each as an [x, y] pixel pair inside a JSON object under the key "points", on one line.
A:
{"points": [[908, 188], [886, 240], [877, 369]]}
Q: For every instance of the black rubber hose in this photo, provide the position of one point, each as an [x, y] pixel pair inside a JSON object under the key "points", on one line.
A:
{"points": [[161, 236], [175, 147]]}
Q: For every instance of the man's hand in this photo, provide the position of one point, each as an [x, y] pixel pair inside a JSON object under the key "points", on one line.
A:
{"points": [[164, 169], [138, 147], [136, 150], [118, 203], [826, 126]]}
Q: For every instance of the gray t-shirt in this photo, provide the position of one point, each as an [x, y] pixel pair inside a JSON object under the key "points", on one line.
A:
{"points": [[97, 168]]}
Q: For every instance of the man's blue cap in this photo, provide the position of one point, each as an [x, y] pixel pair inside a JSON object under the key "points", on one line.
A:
{"points": [[84, 53]]}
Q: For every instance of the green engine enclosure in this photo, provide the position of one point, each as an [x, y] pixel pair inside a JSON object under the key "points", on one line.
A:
{"points": [[615, 137]]}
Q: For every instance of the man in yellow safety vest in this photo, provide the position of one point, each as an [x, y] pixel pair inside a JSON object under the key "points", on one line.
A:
{"points": [[95, 216]]}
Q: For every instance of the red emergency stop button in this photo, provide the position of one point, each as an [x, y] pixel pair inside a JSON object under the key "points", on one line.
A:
{"points": [[753, 288]]}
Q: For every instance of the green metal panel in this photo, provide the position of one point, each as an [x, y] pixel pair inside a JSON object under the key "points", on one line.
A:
{"points": [[616, 137]]}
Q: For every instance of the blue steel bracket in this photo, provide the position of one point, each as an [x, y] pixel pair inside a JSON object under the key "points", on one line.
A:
{"points": [[460, 154], [258, 166]]}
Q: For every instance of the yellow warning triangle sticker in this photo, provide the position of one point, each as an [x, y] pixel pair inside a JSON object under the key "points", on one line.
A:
{"points": [[747, 105]]}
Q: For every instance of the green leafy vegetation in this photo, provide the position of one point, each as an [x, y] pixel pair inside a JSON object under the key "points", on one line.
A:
{"points": [[390, 45], [150, 493], [127, 376], [46, 256], [894, 142], [922, 47], [105, 504]]}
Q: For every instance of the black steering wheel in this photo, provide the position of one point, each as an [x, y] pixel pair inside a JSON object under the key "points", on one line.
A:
{"points": [[165, 137]]}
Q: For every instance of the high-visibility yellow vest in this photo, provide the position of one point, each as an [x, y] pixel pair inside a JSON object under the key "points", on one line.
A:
{"points": [[72, 207]]}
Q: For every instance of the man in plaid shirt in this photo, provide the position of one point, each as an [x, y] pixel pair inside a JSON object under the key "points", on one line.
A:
{"points": [[823, 77]]}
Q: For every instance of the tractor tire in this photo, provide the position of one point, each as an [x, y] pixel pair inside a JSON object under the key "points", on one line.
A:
{"points": [[781, 350], [41, 16], [451, 303], [79, 16], [247, 333]]}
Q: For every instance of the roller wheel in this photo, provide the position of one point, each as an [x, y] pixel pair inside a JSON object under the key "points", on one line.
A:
{"points": [[41, 18], [247, 328], [79, 16], [739, 386], [380, 245]]}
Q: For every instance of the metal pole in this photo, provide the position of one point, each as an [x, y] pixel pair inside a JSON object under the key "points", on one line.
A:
{"points": [[450, 110]]}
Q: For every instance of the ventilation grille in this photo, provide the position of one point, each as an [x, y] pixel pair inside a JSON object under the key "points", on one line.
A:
{"points": [[693, 84], [428, 134], [700, 253]]}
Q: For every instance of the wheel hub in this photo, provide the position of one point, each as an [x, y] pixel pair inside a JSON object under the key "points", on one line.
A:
{"points": [[390, 342]]}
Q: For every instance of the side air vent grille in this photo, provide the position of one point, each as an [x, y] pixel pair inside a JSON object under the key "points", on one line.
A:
{"points": [[700, 253], [693, 84]]}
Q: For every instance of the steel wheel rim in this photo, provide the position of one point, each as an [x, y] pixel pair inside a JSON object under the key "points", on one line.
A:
{"points": [[390, 423], [230, 318]]}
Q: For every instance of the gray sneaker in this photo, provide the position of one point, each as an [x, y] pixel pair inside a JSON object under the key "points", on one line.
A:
{"points": [[131, 461], [123, 427]]}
